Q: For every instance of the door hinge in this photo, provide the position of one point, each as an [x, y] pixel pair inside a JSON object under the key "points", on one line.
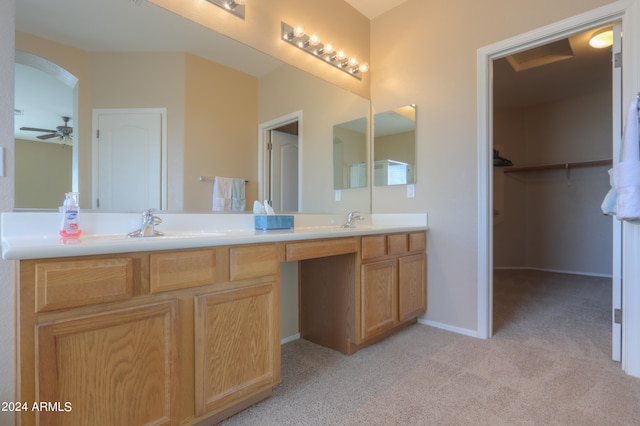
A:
{"points": [[617, 316], [269, 146], [98, 202], [98, 133], [617, 59]]}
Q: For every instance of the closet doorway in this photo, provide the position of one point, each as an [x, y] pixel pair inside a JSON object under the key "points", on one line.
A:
{"points": [[553, 132]]}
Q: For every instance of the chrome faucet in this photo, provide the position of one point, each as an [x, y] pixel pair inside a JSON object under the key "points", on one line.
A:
{"points": [[147, 227], [351, 218]]}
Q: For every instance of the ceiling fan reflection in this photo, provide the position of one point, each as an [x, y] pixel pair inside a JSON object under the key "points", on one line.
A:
{"points": [[64, 133]]}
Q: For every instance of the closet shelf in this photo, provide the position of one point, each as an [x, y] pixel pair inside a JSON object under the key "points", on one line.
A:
{"points": [[559, 166]]}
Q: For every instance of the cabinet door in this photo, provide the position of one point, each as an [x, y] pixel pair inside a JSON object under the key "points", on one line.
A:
{"points": [[114, 368], [412, 286], [237, 345], [379, 304]]}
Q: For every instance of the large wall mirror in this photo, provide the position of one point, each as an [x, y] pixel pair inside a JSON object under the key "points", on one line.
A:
{"points": [[216, 92], [394, 146], [350, 154]]}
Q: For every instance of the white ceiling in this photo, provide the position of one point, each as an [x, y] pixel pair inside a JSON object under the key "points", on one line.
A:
{"points": [[373, 8]]}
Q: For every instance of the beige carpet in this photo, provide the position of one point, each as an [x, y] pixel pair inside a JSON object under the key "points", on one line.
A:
{"points": [[548, 363]]}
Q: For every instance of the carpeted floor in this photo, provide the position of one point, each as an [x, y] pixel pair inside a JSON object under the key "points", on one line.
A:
{"points": [[548, 363]]}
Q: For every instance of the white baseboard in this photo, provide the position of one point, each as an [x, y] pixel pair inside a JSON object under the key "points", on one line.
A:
{"points": [[559, 271], [290, 338], [459, 330]]}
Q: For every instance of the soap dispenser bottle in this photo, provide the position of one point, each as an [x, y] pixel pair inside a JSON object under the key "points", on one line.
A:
{"points": [[70, 221]]}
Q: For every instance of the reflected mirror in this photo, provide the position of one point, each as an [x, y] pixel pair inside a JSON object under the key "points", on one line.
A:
{"points": [[350, 154], [394, 146], [217, 94]]}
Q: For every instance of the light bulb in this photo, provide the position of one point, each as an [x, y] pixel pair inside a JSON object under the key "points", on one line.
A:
{"points": [[298, 31], [340, 54], [314, 39], [364, 67], [328, 48]]}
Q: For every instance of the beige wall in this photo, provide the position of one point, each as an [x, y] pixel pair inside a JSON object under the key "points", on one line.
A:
{"points": [[436, 43], [38, 185], [221, 129], [332, 20]]}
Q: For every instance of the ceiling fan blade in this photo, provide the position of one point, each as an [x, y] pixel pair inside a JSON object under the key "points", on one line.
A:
{"points": [[49, 136], [35, 129]]}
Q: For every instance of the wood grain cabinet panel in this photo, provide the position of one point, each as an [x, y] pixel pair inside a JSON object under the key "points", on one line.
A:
{"points": [[378, 297], [374, 246], [412, 286], [182, 269], [66, 284], [418, 241], [236, 346], [320, 248], [397, 244], [114, 368], [253, 261]]}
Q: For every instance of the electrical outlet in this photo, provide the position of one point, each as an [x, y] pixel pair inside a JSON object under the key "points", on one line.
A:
{"points": [[338, 195], [411, 191]]}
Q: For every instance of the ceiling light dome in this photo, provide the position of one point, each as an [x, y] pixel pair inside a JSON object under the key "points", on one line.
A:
{"points": [[602, 38]]}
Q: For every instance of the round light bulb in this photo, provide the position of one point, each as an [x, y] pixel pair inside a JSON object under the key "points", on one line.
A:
{"points": [[298, 31], [328, 48], [340, 54], [314, 39], [364, 67]]}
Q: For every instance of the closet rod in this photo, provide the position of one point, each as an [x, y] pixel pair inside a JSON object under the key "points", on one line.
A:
{"points": [[562, 166]]}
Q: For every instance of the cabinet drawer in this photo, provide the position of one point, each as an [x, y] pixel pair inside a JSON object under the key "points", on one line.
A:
{"points": [[418, 241], [397, 244], [373, 246], [183, 269], [61, 285], [320, 248], [253, 261]]}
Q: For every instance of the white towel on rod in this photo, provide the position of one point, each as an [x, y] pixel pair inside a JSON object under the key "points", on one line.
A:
{"points": [[222, 188], [238, 197], [626, 174]]}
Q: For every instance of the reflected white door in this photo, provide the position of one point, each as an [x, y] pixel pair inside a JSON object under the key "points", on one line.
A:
{"points": [[129, 160], [284, 172]]}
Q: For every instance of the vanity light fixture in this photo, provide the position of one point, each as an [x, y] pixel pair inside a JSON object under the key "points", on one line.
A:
{"points": [[325, 51], [235, 7]]}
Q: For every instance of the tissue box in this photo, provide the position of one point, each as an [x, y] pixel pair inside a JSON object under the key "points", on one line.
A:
{"points": [[268, 222]]}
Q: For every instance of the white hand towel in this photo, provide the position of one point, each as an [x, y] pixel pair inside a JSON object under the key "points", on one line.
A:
{"points": [[222, 188], [238, 200], [626, 174]]}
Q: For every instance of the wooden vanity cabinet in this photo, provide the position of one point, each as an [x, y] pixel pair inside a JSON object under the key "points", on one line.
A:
{"points": [[360, 290], [392, 282], [162, 338]]}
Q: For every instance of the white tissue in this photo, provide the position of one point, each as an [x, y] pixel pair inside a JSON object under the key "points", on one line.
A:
{"points": [[258, 208], [268, 209]]}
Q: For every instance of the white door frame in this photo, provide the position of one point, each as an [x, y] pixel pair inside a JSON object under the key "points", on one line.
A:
{"points": [[94, 148], [628, 12], [263, 153]]}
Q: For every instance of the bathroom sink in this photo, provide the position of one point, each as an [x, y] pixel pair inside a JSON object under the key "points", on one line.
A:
{"points": [[164, 236]]}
